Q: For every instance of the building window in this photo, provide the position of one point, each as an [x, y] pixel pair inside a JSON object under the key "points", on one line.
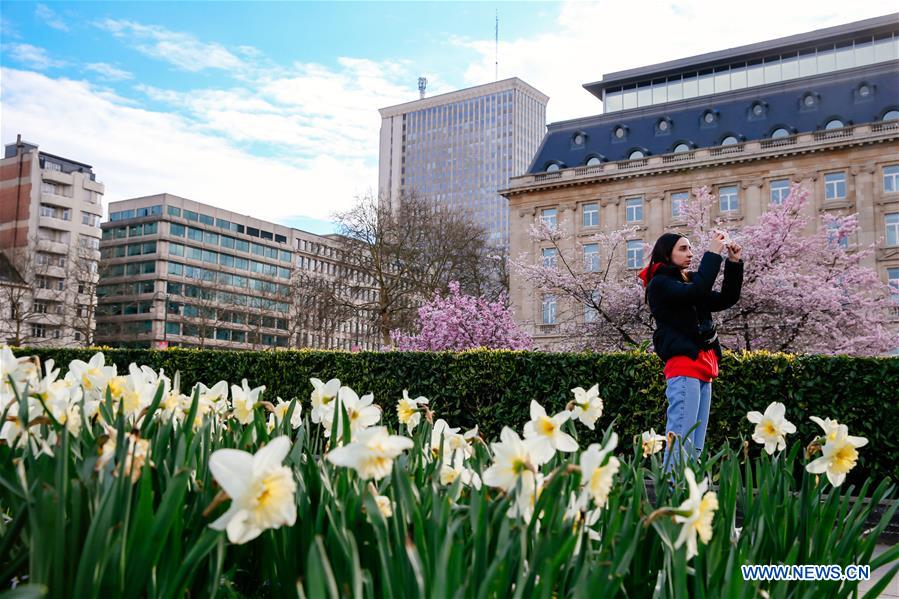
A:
{"points": [[550, 217], [891, 222], [620, 132], [663, 126], [780, 189], [679, 203], [550, 257], [810, 100], [891, 178], [549, 309], [758, 110], [779, 132], [553, 167], [834, 124], [730, 140], [594, 161], [591, 257], [636, 154], [680, 148], [590, 313], [634, 210], [728, 199], [591, 212], [890, 115], [635, 254], [893, 282], [835, 186], [38, 330], [174, 211]]}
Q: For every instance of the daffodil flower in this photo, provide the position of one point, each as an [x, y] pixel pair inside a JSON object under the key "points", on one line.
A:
{"points": [[597, 473], [546, 434], [361, 412], [244, 400], [838, 456], [322, 397], [652, 442], [260, 487], [408, 410], [587, 406], [696, 515], [771, 427], [371, 453]]}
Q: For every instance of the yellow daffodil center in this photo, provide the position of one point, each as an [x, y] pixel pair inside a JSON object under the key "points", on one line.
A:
{"points": [[545, 426], [131, 401], [769, 429], [116, 386], [405, 411], [703, 524], [519, 466], [844, 459]]}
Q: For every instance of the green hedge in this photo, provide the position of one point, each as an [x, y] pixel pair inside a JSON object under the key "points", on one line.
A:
{"points": [[494, 388]]}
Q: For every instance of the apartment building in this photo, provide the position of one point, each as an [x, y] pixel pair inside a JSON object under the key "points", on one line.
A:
{"points": [[176, 272], [50, 212], [459, 148], [820, 109]]}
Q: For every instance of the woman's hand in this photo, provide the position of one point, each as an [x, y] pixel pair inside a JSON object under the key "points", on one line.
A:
{"points": [[734, 251], [717, 243]]}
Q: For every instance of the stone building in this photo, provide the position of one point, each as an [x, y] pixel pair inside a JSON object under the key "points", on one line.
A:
{"points": [[820, 109], [50, 212]]}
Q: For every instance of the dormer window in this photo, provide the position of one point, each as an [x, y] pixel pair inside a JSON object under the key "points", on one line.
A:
{"points": [[663, 126], [578, 139], [619, 133], [709, 118]]}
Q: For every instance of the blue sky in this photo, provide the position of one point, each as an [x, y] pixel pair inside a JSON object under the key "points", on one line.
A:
{"points": [[270, 108]]}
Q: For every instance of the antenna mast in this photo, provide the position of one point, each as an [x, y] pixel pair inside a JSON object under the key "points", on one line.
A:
{"points": [[496, 41]]}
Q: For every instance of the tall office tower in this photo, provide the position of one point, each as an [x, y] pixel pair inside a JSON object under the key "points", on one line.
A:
{"points": [[50, 211], [176, 272], [459, 148], [818, 108]]}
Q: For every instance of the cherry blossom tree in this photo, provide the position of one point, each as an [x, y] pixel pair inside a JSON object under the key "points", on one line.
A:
{"points": [[602, 302], [802, 292], [457, 321]]}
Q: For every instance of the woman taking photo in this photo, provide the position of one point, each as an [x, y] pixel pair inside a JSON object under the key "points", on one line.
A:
{"points": [[685, 339]]}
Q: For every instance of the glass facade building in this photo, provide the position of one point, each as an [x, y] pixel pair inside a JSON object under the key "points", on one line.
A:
{"points": [[461, 148]]}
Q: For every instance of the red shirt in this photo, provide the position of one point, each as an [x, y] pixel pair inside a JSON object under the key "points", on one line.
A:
{"points": [[704, 367]]}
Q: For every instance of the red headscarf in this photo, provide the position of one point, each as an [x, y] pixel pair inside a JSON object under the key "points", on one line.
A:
{"points": [[647, 273]]}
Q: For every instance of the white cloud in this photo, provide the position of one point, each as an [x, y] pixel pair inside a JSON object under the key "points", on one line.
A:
{"points": [[138, 152], [108, 71], [180, 49], [49, 16], [590, 39], [32, 56]]}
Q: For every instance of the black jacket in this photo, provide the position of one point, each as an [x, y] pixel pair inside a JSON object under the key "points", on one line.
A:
{"points": [[679, 307]]}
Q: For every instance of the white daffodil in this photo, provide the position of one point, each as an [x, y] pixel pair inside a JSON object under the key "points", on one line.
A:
{"points": [[93, 375], [698, 511], [137, 452], [442, 431], [456, 470], [323, 395], [577, 511], [260, 487], [22, 371], [587, 405], [244, 400], [213, 398], [361, 412], [371, 453], [385, 506], [512, 461], [597, 474], [830, 427], [838, 456], [652, 442], [546, 434], [771, 427], [276, 417], [408, 410]]}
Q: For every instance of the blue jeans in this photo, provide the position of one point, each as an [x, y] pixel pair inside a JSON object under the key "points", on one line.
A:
{"points": [[689, 401]]}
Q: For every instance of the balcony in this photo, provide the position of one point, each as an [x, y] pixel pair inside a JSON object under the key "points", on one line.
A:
{"points": [[750, 150]]}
